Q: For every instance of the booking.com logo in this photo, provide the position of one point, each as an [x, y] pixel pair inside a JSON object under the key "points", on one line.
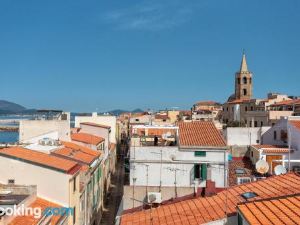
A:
{"points": [[36, 212]]}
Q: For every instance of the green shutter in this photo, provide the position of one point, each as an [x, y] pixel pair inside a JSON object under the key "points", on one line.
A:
{"points": [[200, 154], [203, 171]]}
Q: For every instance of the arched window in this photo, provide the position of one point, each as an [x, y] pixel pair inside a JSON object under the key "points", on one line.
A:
{"points": [[250, 80], [238, 80], [244, 80], [244, 91]]}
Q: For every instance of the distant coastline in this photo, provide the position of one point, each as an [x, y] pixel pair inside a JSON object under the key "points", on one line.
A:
{"points": [[9, 129]]}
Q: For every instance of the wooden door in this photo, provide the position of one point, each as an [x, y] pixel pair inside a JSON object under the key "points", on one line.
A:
{"points": [[273, 164]]}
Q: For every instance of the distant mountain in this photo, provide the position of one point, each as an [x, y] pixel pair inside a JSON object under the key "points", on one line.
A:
{"points": [[7, 107], [117, 112]]}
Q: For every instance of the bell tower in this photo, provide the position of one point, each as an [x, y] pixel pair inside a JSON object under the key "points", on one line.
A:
{"points": [[243, 81]]}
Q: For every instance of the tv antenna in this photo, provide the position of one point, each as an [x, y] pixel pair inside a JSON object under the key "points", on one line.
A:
{"points": [[175, 177]]}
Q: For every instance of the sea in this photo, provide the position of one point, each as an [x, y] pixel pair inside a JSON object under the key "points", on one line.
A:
{"points": [[10, 121]]}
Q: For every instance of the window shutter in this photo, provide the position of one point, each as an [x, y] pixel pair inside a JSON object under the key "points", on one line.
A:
{"points": [[204, 171]]}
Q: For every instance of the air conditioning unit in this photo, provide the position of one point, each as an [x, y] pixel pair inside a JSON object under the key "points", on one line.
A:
{"points": [[243, 180], [154, 197], [258, 178]]}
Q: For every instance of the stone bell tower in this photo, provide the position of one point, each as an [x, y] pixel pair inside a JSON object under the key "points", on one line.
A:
{"points": [[243, 81]]}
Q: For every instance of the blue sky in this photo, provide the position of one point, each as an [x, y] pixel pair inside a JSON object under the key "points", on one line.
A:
{"points": [[83, 55]]}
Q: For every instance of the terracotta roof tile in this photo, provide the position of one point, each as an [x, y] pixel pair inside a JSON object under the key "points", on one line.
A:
{"points": [[77, 152], [207, 209], [87, 138], [282, 210], [30, 220], [42, 159], [200, 134], [272, 148], [96, 125], [287, 102], [295, 123], [209, 103]]}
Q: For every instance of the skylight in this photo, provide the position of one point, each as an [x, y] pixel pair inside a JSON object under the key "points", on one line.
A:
{"points": [[248, 195], [239, 171]]}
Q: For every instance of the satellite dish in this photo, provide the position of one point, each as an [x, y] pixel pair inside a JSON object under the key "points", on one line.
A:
{"points": [[262, 166], [279, 169]]}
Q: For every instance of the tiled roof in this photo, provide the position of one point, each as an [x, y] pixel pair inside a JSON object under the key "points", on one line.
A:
{"points": [[77, 152], [161, 117], [96, 125], [207, 209], [112, 146], [272, 148], [245, 165], [42, 159], [87, 138], [30, 220], [295, 123], [200, 133], [284, 210], [287, 102], [209, 103], [239, 101]]}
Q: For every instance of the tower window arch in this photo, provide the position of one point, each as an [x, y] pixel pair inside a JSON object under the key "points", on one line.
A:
{"points": [[244, 80], [245, 91]]}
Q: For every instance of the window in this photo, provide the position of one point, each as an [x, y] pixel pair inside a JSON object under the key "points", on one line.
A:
{"points": [[11, 181], [251, 154], [252, 108], [275, 135], [244, 91], [240, 219], [227, 109], [238, 80], [261, 123], [200, 154], [255, 123], [245, 80], [248, 195], [74, 215], [137, 120], [74, 184], [246, 108], [200, 171]]}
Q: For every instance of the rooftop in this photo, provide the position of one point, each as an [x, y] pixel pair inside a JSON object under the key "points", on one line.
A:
{"points": [[40, 159], [87, 138], [240, 168], [200, 133], [38, 203], [95, 125], [283, 210], [77, 153], [287, 102], [208, 103], [295, 123], [272, 148], [207, 209]]}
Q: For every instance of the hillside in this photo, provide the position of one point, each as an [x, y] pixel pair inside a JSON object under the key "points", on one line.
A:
{"points": [[7, 107]]}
